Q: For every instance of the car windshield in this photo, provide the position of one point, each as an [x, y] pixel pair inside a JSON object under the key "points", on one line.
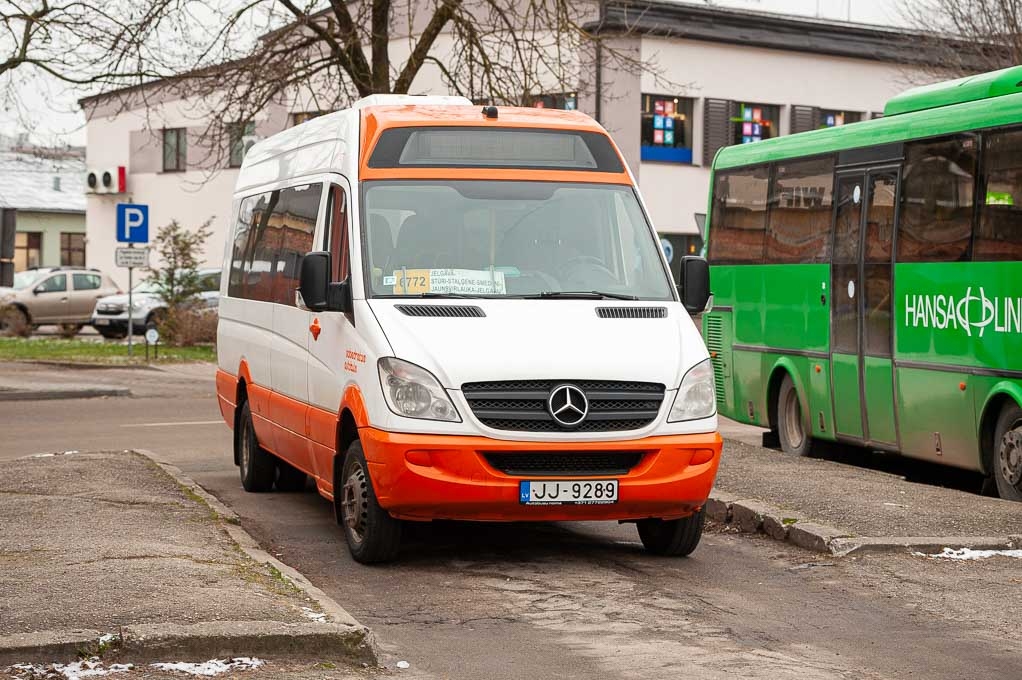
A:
{"points": [[29, 278], [509, 239], [147, 286]]}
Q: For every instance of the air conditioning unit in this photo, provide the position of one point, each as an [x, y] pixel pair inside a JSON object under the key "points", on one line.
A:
{"points": [[111, 180]]}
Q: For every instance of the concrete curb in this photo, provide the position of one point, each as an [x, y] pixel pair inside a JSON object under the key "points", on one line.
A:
{"points": [[45, 395], [753, 516], [356, 641], [339, 636]]}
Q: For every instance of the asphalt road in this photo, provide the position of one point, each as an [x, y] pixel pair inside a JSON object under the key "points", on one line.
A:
{"points": [[579, 601]]}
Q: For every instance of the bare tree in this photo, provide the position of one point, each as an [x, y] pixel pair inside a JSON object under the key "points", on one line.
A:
{"points": [[319, 55], [964, 37]]}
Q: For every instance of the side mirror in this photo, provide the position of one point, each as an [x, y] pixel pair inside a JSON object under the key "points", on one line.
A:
{"points": [[317, 292], [695, 284], [37, 290]]}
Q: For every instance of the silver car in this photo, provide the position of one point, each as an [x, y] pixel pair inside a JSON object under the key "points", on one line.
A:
{"points": [[110, 317]]}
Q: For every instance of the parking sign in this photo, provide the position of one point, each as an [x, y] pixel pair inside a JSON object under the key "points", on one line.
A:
{"points": [[132, 223]]}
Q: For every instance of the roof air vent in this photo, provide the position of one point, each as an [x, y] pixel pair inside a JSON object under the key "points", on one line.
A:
{"points": [[440, 310], [631, 312]]}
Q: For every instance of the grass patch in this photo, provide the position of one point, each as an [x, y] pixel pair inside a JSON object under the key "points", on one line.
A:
{"points": [[787, 521], [96, 352]]}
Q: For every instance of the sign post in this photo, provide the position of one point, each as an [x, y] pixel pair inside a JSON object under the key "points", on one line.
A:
{"points": [[132, 228]]}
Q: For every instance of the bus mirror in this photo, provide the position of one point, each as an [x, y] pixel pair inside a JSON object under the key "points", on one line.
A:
{"points": [[313, 280], [695, 284]]}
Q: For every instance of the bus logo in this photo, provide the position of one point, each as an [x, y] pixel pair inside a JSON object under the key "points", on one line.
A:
{"points": [[969, 313]]}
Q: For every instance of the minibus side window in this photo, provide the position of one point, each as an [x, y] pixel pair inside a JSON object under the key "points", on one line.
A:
{"points": [[337, 234]]}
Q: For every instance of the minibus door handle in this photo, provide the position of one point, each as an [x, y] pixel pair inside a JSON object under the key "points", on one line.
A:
{"points": [[315, 328]]}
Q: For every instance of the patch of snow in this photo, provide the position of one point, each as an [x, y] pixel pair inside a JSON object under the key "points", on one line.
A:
{"points": [[403, 664], [107, 638], [970, 554], [91, 668], [211, 667], [314, 615]]}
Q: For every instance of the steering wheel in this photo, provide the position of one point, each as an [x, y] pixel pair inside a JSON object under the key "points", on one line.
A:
{"points": [[594, 265]]}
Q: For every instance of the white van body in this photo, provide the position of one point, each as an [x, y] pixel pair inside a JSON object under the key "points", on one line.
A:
{"points": [[310, 381]]}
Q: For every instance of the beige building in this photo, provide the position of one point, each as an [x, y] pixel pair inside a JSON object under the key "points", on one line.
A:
{"points": [[719, 77]]}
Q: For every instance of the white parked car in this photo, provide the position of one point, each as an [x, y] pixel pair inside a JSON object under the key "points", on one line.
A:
{"points": [[110, 317]]}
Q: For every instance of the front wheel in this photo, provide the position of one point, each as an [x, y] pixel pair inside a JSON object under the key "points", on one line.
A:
{"points": [[1008, 453], [373, 535], [673, 537], [792, 423]]}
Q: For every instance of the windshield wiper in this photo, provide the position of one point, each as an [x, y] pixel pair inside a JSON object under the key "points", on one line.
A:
{"points": [[578, 295]]}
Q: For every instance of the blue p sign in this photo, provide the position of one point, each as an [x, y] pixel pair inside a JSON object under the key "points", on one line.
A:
{"points": [[132, 223]]}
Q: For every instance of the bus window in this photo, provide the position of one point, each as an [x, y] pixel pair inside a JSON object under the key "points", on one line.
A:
{"points": [[739, 216], [999, 232], [937, 200], [801, 198]]}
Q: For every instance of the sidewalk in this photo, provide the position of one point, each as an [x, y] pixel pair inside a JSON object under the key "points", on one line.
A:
{"points": [[852, 501], [107, 553], [23, 380]]}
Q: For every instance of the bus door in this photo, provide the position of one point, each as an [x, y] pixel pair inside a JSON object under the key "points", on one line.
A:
{"points": [[862, 378]]}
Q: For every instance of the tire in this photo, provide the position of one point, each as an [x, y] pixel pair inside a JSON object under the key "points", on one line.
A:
{"points": [[672, 537], [793, 427], [1008, 453], [373, 536], [14, 322], [111, 334], [70, 330], [289, 478], [258, 466]]}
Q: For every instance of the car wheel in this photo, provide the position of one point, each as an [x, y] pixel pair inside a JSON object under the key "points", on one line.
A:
{"points": [[1008, 453], [258, 466], [373, 536], [793, 427], [672, 537], [289, 478], [14, 321], [70, 330]]}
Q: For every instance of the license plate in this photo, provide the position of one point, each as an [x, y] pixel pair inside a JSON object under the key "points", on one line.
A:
{"points": [[101, 322], [575, 492]]}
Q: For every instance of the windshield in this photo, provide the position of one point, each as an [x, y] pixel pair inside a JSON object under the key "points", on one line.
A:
{"points": [[26, 279], [147, 286], [509, 239]]}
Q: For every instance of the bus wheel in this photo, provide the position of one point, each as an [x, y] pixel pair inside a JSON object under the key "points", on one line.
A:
{"points": [[1008, 453], [674, 537], [792, 423], [372, 534], [258, 467]]}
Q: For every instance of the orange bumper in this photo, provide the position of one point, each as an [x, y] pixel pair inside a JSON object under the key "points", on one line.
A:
{"points": [[449, 477]]}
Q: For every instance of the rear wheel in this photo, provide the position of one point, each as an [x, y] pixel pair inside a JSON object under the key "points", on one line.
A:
{"points": [[289, 478], [373, 535], [1008, 453], [672, 537], [792, 423], [258, 466]]}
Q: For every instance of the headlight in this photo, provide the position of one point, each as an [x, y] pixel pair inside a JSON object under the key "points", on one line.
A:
{"points": [[696, 397], [413, 392], [137, 304]]}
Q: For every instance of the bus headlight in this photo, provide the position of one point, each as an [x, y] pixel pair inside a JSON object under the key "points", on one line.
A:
{"points": [[413, 392], [696, 397]]}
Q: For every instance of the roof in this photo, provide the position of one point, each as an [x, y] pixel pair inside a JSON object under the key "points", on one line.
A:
{"points": [[763, 29], [26, 183], [971, 88], [943, 120]]}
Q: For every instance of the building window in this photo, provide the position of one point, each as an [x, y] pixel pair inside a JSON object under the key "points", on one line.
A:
{"points": [[174, 149], [831, 118], [755, 122], [241, 139], [72, 249], [28, 250], [566, 101], [303, 116], [666, 128]]}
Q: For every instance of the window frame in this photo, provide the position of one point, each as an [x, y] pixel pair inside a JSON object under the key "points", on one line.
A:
{"points": [[654, 153], [68, 249], [28, 248], [179, 149], [982, 186]]}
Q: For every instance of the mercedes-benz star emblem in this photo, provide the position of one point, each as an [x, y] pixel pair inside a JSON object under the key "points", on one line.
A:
{"points": [[568, 405]]}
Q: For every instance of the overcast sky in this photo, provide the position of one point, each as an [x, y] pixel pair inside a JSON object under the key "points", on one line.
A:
{"points": [[49, 110]]}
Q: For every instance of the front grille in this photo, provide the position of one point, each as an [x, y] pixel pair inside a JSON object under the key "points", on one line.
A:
{"points": [[521, 405], [565, 463], [109, 308], [631, 312], [714, 327]]}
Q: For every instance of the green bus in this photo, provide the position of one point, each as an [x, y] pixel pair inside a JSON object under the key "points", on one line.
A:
{"points": [[867, 280]]}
